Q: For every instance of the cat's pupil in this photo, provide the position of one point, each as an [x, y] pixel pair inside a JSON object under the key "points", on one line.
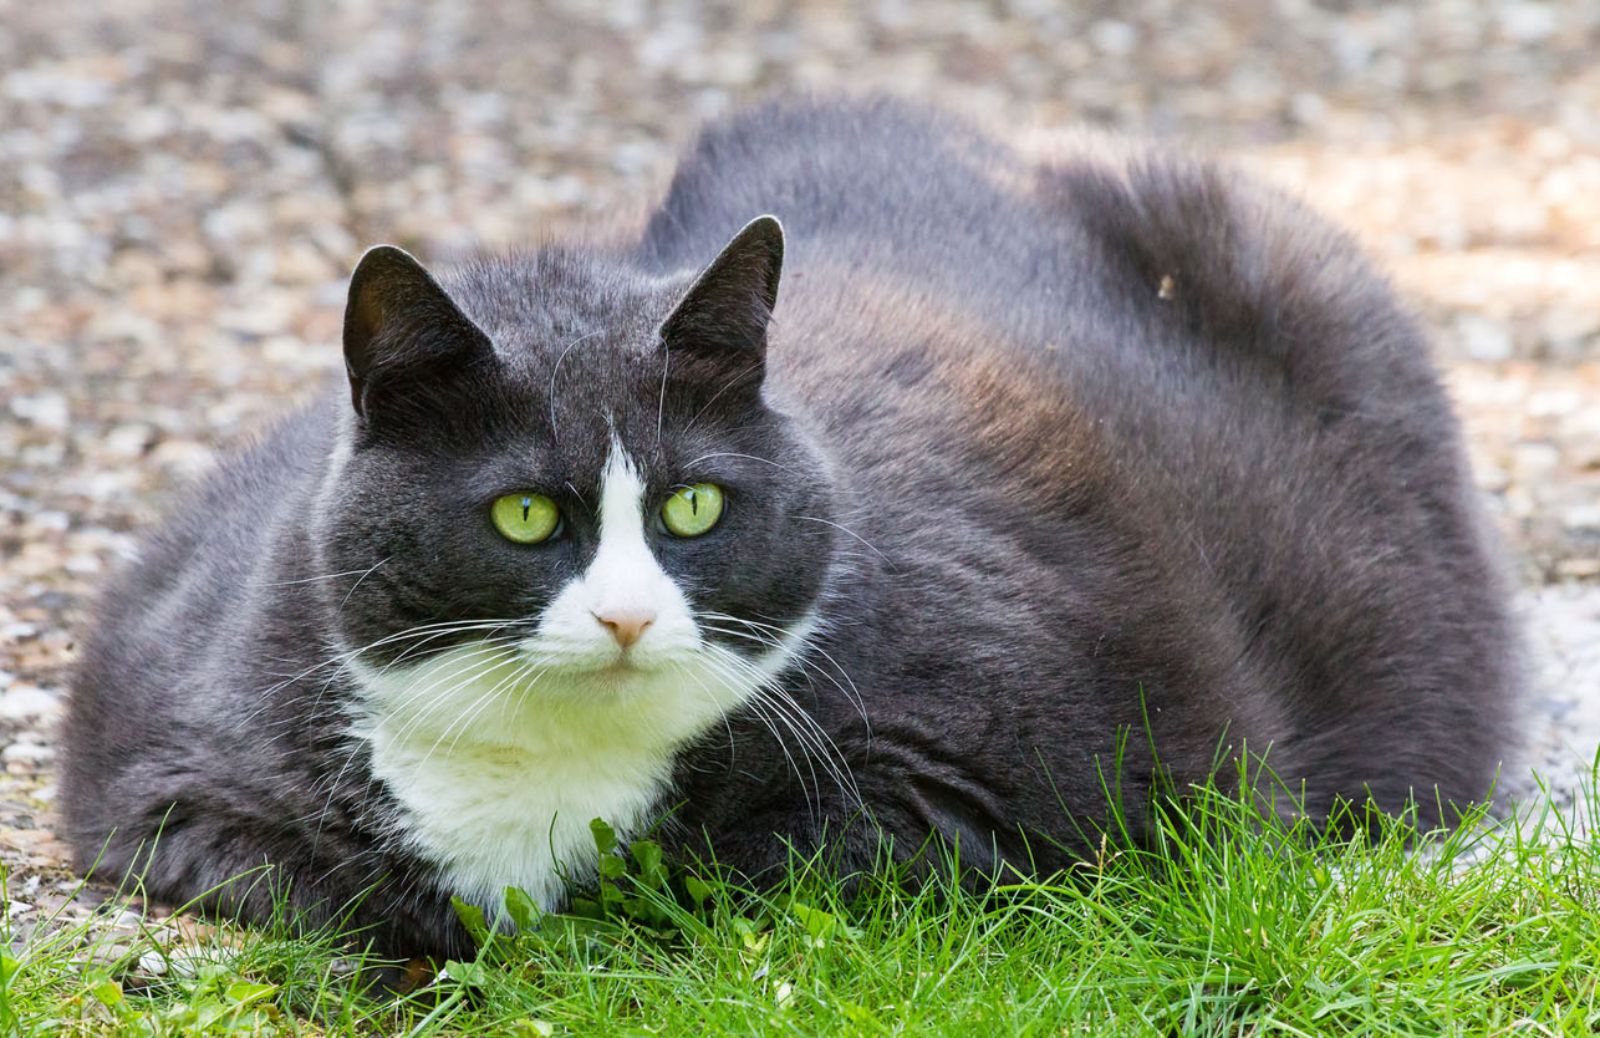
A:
{"points": [[527, 506]]}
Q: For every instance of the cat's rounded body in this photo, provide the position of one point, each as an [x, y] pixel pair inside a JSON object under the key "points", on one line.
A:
{"points": [[1032, 468]]}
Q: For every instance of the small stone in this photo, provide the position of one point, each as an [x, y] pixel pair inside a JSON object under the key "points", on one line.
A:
{"points": [[1554, 403], [1491, 477], [83, 565], [1487, 341], [18, 632], [41, 842], [26, 702], [1528, 22], [1307, 109], [28, 753], [1534, 460], [129, 441], [1582, 517], [189, 960], [1113, 38], [45, 410]]}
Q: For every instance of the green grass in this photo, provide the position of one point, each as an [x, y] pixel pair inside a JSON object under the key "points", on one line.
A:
{"points": [[1234, 924]]}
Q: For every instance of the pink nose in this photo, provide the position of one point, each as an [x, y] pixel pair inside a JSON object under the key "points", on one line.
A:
{"points": [[626, 625]]}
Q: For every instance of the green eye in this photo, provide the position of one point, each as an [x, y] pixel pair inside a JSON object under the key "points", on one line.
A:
{"points": [[525, 518], [693, 510]]}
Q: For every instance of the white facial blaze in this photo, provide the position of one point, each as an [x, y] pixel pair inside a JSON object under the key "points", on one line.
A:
{"points": [[500, 756], [623, 579]]}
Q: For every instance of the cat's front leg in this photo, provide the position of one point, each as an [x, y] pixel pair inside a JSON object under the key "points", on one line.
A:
{"points": [[257, 871]]}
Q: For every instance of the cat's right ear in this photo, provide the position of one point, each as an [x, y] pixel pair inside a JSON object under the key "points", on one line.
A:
{"points": [[400, 325], [721, 321]]}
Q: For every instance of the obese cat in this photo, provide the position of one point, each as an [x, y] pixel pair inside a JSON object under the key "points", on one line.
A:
{"points": [[895, 518]]}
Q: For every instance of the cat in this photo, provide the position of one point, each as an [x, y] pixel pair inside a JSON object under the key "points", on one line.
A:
{"points": [[888, 521]]}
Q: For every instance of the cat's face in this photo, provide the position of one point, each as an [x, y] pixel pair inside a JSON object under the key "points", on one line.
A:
{"points": [[563, 481]]}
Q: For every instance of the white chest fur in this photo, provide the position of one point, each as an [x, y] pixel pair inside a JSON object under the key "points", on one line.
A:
{"points": [[504, 798]]}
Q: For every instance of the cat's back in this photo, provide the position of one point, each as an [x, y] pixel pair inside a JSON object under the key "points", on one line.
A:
{"points": [[1129, 263], [1124, 344], [876, 183]]}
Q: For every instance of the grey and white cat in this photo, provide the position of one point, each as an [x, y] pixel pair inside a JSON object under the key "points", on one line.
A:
{"points": [[1018, 459]]}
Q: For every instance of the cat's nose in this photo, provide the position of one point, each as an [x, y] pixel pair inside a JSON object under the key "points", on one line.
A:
{"points": [[625, 625]]}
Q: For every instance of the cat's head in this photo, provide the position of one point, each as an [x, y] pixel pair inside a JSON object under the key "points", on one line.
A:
{"points": [[574, 469]]}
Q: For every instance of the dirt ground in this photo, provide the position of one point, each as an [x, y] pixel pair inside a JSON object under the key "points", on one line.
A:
{"points": [[184, 187]]}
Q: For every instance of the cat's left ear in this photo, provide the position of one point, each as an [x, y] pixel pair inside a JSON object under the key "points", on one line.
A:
{"points": [[401, 329], [724, 315]]}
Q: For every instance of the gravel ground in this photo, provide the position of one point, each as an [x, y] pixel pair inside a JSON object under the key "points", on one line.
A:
{"points": [[184, 186]]}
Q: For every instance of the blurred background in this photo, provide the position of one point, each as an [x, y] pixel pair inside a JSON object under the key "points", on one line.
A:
{"points": [[184, 186]]}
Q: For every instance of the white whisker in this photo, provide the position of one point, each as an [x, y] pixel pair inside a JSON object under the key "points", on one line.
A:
{"points": [[845, 529]]}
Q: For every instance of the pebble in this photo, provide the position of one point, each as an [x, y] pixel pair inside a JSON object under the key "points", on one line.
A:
{"points": [[1113, 38], [28, 753], [1583, 517], [1529, 22], [1578, 569], [27, 702], [1535, 460], [129, 441], [46, 410], [1483, 339], [1554, 403]]}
